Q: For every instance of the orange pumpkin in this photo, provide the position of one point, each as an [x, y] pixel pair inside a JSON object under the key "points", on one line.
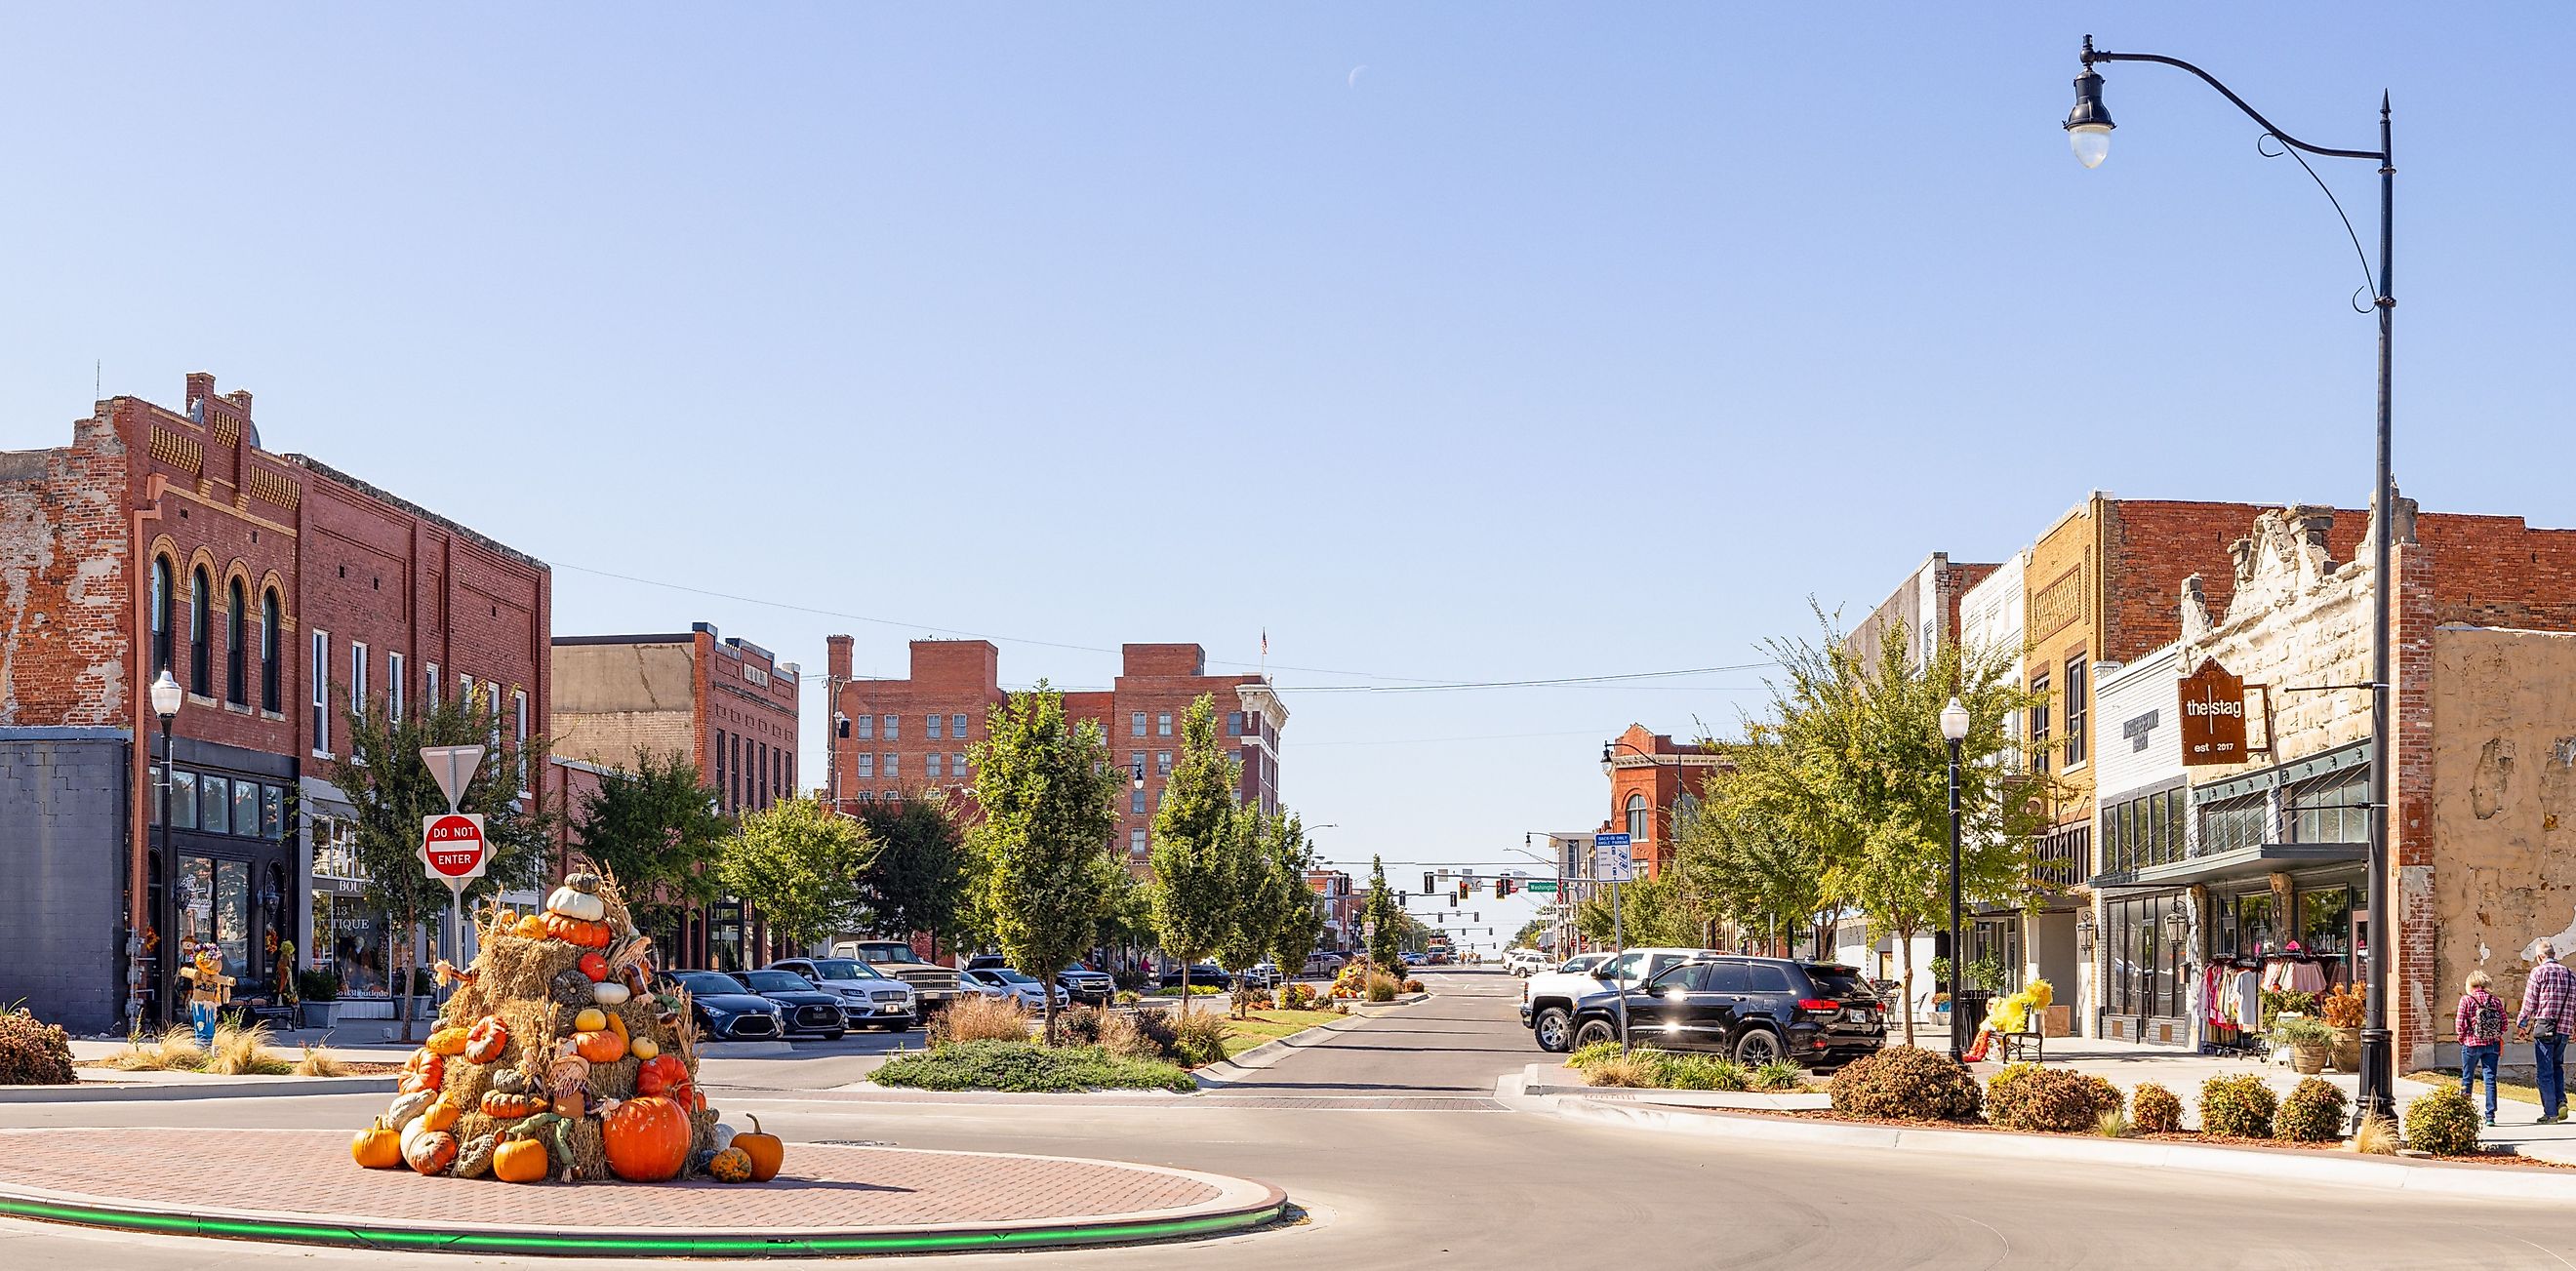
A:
{"points": [[379, 1146], [594, 966], [601, 1047], [660, 1075], [432, 1153], [520, 1160], [486, 1040], [505, 1105], [765, 1151], [647, 1140], [423, 1073], [447, 1041], [441, 1115], [531, 927], [575, 931]]}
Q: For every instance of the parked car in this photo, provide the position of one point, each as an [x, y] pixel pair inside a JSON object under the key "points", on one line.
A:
{"points": [[1005, 984], [1435, 957], [807, 1010], [1324, 965], [1524, 961], [933, 985], [985, 962], [1752, 1010], [1261, 975], [1548, 998], [1207, 973], [1086, 985], [868, 1000], [725, 1010], [1409, 959]]}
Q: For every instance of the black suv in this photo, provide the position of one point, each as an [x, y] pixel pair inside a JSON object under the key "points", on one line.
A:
{"points": [[1753, 1010]]}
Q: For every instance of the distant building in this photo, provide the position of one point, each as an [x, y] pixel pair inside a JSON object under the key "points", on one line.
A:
{"points": [[1925, 608], [1650, 776]]}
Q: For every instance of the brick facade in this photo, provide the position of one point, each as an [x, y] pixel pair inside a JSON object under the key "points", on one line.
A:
{"points": [[1649, 774]]}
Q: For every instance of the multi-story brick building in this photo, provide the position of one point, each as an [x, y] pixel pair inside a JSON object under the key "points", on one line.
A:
{"points": [[890, 737], [280, 593], [728, 706], [1649, 775]]}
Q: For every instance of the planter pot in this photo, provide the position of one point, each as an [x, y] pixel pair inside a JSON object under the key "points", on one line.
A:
{"points": [[2347, 1050], [321, 1014], [2308, 1060]]}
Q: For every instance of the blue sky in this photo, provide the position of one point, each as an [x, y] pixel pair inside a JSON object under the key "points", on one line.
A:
{"points": [[1561, 340]]}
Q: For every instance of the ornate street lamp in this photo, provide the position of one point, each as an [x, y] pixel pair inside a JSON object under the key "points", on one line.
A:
{"points": [[2088, 129], [1954, 731], [166, 697]]}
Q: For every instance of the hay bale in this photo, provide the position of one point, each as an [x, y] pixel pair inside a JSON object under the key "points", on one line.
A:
{"points": [[589, 1150]]}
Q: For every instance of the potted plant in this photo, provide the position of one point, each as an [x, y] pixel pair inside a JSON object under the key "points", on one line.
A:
{"points": [[320, 989], [2310, 1041], [2342, 1009]]}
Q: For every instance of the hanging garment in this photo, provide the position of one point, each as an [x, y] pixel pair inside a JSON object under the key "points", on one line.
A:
{"points": [[2249, 1002], [2304, 977]]}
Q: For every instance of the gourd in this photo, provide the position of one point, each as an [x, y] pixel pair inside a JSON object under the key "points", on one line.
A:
{"points": [[661, 1074], [609, 992], [576, 904], [581, 932], [474, 1156], [441, 1116], [765, 1151], [594, 966], [486, 1040], [510, 1105], [732, 1165], [643, 1047], [647, 1139], [447, 1041], [590, 1019], [431, 1152], [520, 1159], [425, 1070], [408, 1107], [721, 1137], [379, 1146], [531, 927]]}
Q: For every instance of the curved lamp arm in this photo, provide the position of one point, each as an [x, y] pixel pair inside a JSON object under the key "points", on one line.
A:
{"points": [[2091, 55]]}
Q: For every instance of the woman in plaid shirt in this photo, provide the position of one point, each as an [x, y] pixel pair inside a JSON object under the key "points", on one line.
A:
{"points": [[2548, 1014]]}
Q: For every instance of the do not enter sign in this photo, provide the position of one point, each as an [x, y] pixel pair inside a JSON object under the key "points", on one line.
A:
{"points": [[452, 847]]}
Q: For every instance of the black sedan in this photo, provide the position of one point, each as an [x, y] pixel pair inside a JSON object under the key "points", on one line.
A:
{"points": [[807, 1009], [1207, 973], [725, 1010], [1753, 1010]]}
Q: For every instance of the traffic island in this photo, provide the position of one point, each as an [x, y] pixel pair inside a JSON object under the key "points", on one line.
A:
{"points": [[295, 1186]]}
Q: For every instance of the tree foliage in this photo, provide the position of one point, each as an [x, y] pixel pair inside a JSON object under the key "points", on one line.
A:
{"points": [[1297, 926], [1740, 859], [917, 881], [655, 828], [1049, 794], [798, 865], [1199, 847], [1384, 918]]}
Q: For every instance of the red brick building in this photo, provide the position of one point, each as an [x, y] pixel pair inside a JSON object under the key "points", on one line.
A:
{"points": [[1649, 773], [729, 706], [914, 733], [280, 593]]}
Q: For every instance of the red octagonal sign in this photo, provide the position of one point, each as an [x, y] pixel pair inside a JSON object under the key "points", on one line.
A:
{"points": [[452, 844]]}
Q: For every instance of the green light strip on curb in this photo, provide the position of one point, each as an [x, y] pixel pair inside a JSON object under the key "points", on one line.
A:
{"points": [[304, 1233]]}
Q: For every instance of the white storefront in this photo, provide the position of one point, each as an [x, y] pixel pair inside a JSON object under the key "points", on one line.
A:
{"points": [[2135, 942]]}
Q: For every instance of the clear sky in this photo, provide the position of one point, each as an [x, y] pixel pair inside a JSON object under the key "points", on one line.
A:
{"points": [[1445, 342]]}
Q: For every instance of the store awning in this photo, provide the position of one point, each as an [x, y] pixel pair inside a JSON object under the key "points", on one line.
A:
{"points": [[2242, 862]]}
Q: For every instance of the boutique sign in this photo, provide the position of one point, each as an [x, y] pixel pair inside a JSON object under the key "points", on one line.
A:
{"points": [[2212, 716]]}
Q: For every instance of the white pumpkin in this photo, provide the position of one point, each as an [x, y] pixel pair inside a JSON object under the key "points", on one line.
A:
{"points": [[609, 993], [722, 1138], [411, 1132], [410, 1106], [578, 905]]}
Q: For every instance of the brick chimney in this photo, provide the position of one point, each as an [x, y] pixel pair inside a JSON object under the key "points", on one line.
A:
{"points": [[836, 662]]}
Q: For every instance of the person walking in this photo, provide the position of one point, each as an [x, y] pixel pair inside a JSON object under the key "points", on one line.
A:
{"points": [[2481, 1032], [2548, 1012]]}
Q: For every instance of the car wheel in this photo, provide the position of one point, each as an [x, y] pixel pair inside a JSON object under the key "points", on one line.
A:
{"points": [[1758, 1047], [1594, 1032], [1551, 1028]]}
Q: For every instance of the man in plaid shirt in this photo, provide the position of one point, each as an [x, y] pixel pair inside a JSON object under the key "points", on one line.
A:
{"points": [[2548, 1015]]}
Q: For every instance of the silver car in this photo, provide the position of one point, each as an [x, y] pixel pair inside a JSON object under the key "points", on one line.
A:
{"points": [[868, 999], [1005, 983]]}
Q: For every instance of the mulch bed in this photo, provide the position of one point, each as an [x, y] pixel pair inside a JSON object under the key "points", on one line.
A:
{"points": [[2504, 1159]]}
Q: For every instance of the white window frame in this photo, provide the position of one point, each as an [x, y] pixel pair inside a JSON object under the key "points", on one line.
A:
{"points": [[893, 766], [867, 765], [357, 677], [933, 726], [429, 685], [865, 727], [894, 728], [394, 686], [519, 735], [318, 670], [930, 765]]}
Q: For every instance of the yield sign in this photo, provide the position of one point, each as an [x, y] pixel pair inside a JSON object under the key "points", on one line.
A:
{"points": [[452, 846], [452, 767]]}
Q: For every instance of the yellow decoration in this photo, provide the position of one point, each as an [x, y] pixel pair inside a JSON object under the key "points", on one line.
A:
{"points": [[590, 1020], [644, 1048]]}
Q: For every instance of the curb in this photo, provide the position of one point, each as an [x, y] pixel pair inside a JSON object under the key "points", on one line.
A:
{"points": [[744, 1050], [174, 1091], [1219, 1074], [2301, 1164]]}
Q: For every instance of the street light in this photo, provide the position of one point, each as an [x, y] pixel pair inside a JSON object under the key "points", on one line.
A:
{"points": [[1954, 730], [2089, 129], [166, 698]]}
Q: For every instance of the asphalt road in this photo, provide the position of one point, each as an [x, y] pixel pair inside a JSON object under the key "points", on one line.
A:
{"points": [[1458, 1184]]}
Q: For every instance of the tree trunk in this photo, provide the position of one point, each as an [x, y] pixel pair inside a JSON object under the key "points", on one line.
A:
{"points": [[1050, 1018], [1185, 986], [1905, 955]]}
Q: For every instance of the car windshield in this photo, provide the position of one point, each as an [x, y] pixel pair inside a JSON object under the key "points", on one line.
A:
{"points": [[706, 982], [777, 982], [844, 969], [1837, 981], [1008, 976], [889, 952], [1581, 962]]}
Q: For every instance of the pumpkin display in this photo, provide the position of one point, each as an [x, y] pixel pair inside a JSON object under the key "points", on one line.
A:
{"points": [[610, 993], [474, 1156], [590, 1019], [510, 1105], [379, 1146], [431, 1152], [446, 1041], [520, 1160], [486, 1040], [570, 988], [764, 1149], [660, 1074], [593, 965], [647, 1139], [732, 1165], [531, 927], [583, 932], [576, 904], [601, 1046], [441, 1115], [421, 1075], [408, 1107]]}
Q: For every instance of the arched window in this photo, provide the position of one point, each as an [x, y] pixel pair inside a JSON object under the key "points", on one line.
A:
{"points": [[268, 688], [237, 647], [201, 671], [160, 615], [1637, 819]]}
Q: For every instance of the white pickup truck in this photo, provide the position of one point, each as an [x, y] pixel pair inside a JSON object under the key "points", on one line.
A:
{"points": [[1548, 998], [1524, 961]]}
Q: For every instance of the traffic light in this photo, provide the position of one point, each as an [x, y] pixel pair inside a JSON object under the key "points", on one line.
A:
{"points": [[1502, 889], [1427, 888]]}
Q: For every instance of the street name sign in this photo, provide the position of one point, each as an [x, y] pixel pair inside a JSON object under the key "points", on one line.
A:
{"points": [[1541, 886]]}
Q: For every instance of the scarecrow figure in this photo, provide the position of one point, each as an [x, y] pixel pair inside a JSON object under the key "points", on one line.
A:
{"points": [[208, 990]]}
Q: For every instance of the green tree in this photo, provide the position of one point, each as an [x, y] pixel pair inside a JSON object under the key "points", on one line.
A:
{"points": [[655, 829], [1532, 934], [1298, 925], [917, 880], [1385, 919], [1862, 775], [1652, 911], [1050, 798], [1199, 849], [798, 863], [1740, 863], [391, 790]]}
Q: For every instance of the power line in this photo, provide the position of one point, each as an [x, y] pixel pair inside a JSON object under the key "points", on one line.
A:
{"points": [[1453, 686]]}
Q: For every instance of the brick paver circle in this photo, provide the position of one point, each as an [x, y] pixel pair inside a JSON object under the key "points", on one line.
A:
{"points": [[227, 1182]]}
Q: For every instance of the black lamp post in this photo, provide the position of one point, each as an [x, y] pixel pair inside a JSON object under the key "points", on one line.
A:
{"points": [[1954, 732], [166, 698], [2088, 129]]}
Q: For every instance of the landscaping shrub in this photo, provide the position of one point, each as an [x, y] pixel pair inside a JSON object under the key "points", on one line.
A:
{"points": [[1027, 1066], [1413, 986], [317, 1062], [979, 1018], [2049, 1100], [1154, 1030], [174, 1050], [2312, 1114], [1637, 1068], [33, 1053], [2238, 1107], [1907, 1083], [1129, 997], [1698, 1072], [2442, 1122], [1382, 988], [1297, 997], [1592, 1054], [2155, 1110], [1778, 1075], [1198, 1038]]}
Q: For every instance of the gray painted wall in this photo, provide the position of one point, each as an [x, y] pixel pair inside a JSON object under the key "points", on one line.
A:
{"points": [[62, 848]]}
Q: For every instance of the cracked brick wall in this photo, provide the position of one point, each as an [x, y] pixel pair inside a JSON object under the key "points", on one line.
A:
{"points": [[66, 580]]}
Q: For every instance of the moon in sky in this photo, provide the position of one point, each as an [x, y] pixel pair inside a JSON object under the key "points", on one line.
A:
{"points": [[1355, 74]]}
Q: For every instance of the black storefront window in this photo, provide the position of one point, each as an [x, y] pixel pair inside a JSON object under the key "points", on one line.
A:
{"points": [[214, 804], [183, 799]]}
